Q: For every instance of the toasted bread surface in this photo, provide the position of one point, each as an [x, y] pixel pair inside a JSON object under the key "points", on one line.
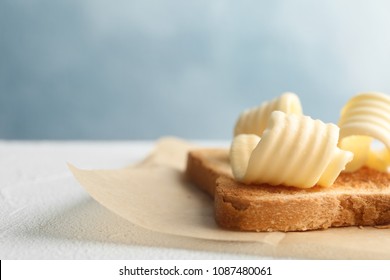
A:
{"points": [[361, 198]]}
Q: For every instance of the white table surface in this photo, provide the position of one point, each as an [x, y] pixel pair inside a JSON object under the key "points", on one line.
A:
{"points": [[46, 214]]}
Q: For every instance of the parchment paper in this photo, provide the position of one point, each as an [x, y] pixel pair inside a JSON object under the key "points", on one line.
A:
{"points": [[155, 195]]}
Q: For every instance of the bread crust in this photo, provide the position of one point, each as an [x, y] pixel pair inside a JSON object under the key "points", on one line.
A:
{"points": [[361, 198]]}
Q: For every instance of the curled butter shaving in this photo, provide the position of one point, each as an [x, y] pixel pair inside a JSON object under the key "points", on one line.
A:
{"points": [[364, 118], [254, 120], [294, 150]]}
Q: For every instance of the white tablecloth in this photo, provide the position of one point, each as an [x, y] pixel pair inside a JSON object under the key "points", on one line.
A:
{"points": [[46, 214]]}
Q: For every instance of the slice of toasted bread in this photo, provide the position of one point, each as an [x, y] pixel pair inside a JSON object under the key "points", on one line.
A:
{"points": [[361, 198]]}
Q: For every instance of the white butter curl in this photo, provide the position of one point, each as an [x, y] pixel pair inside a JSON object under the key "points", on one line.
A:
{"points": [[254, 120], [364, 118], [294, 150]]}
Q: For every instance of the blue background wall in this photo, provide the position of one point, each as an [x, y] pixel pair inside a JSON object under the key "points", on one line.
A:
{"points": [[142, 69]]}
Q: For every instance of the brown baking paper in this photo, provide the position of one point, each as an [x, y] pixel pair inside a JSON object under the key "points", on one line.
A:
{"points": [[155, 195]]}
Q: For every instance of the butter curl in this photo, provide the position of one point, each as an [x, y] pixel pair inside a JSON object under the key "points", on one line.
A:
{"points": [[364, 118], [254, 120], [294, 150]]}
